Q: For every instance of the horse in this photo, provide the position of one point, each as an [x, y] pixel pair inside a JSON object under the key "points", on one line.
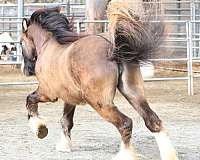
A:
{"points": [[89, 69], [6, 49]]}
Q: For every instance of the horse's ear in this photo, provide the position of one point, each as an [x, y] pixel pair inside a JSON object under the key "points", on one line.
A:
{"points": [[24, 25]]}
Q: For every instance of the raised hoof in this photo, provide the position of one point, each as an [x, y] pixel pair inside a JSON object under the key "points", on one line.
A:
{"points": [[42, 131], [38, 126]]}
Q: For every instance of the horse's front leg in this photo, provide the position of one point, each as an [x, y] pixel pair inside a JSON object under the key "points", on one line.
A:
{"points": [[64, 144], [37, 124]]}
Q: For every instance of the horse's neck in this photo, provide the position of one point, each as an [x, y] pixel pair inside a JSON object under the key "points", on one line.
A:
{"points": [[40, 37], [41, 44], [53, 49]]}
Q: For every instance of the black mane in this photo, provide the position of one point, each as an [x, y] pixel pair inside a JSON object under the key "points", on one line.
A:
{"points": [[57, 24]]}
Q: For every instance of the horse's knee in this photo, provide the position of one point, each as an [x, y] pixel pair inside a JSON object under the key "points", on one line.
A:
{"points": [[153, 123], [32, 98], [29, 101]]}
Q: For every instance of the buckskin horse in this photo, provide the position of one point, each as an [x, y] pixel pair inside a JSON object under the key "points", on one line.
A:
{"points": [[88, 69]]}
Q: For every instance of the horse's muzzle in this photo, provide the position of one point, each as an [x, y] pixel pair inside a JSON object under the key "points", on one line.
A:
{"points": [[28, 68]]}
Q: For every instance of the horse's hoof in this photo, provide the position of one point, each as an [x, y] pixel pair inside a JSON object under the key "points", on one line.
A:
{"points": [[167, 151], [42, 131], [61, 147], [65, 144], [38, 126], [126, 153]]}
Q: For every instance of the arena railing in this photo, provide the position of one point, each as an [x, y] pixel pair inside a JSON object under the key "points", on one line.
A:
{"points": [[188, 37], [188, 59]]}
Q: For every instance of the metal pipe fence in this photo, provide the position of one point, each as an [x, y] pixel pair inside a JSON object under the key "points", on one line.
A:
{"points": [[188, 59], [185, 40]]}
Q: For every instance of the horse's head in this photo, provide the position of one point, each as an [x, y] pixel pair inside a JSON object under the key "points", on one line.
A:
{"points": [[28, 46], [43, 25], [28, 50]]}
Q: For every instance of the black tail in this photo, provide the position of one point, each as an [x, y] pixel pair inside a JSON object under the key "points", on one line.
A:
{"points": [[134, 40]]}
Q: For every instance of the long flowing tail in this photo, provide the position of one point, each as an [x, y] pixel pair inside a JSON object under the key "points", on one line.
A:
{"points": [[134, 40]]}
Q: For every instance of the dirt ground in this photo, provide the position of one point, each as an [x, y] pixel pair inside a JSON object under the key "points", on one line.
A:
{"points": [[93, 138]]}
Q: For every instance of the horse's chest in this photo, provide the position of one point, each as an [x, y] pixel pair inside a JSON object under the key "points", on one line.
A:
{"points": [[57, 83]]}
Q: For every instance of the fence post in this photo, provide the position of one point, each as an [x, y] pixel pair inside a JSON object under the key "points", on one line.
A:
{"points": [[20, 15], [189, 58], [78, 27], [3, 16], [192, 10], [68, 8], [105, 27], [194, 29]]}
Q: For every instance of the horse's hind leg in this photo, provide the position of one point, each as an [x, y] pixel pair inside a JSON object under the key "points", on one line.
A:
{"points": [[67, 123], [131, 86], [100, 97], [124, 125]]}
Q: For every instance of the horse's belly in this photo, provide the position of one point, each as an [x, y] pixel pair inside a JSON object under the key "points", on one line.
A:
{"points": [[54, 88], [70, 97]]}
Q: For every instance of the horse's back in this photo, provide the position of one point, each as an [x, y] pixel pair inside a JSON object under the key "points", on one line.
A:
{"points": [[93, 46], [91, 54]]}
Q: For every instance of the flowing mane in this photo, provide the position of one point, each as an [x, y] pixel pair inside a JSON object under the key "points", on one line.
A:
{"points": [[56, 23]]}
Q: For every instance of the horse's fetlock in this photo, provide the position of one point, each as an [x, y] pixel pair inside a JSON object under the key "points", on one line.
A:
{"points": [[154, 125]]}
